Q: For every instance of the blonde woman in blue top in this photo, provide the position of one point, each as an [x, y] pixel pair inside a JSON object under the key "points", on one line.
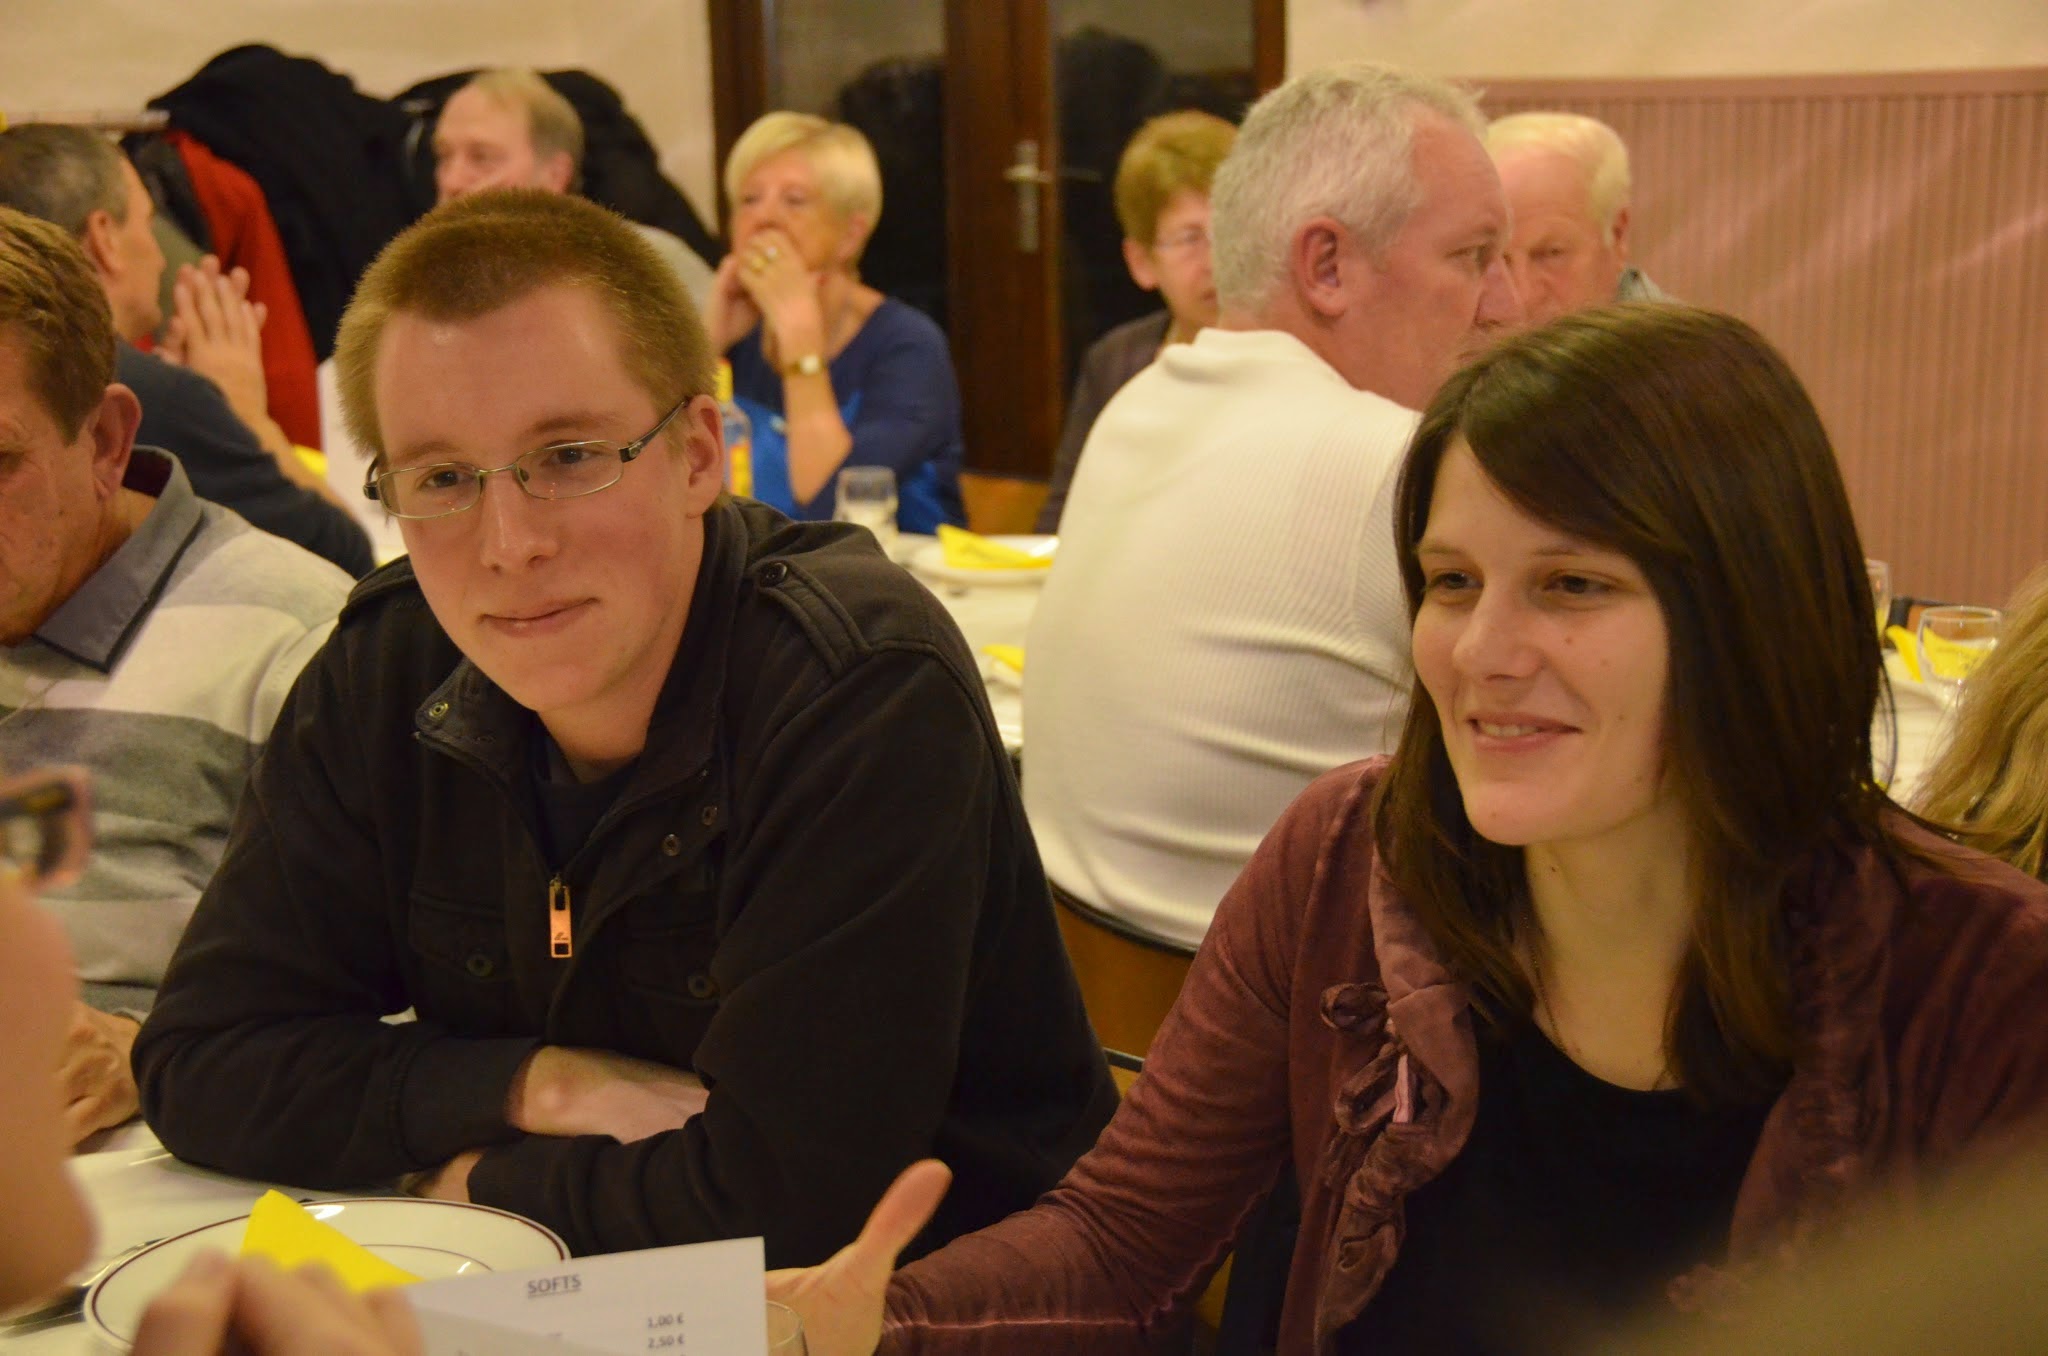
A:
{"points": [[831, 372]]}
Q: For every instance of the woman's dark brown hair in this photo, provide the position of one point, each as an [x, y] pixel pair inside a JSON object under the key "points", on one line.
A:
{"points": [[1680, 438]]}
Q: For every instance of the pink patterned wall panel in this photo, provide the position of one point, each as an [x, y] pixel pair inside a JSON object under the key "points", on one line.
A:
{"points": [[1890, 233]]}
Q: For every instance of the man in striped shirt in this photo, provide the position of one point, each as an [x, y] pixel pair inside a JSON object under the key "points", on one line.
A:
{"points": [[144, 633]]}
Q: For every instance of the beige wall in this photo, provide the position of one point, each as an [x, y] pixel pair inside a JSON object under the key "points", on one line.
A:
{"points": [[89, 54], [1543, 38]]}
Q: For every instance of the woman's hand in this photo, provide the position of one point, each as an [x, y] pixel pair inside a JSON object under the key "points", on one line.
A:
{"points": [[729, 312], [840, 1300], [251, 1306], [783, 289]]}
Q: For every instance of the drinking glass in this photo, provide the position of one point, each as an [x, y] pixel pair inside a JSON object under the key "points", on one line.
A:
{"points": [[1880, 590], [785, 1331], [867, 495], [1953, 641]]}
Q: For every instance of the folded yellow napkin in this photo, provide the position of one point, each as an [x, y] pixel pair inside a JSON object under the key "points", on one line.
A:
{"points": [[1909, 654], [966, 550], [282, 1230], [1010, 656], [1952, 661]]}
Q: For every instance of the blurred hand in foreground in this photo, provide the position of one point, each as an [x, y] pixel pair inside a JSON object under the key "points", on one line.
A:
{"points": [[248, 1305]]}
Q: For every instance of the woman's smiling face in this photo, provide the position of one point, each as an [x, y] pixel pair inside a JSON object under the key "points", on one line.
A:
{"points": [[1547, 658]]}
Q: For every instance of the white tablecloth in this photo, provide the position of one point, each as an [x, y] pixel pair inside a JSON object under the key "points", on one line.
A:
{"points": [[987, 614], [1923, 713]]}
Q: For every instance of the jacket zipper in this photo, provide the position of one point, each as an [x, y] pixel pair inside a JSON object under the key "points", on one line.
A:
{"points": [[561, 921]]}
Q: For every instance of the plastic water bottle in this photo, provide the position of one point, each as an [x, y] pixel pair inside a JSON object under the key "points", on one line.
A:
{"points": [[739, 436]]}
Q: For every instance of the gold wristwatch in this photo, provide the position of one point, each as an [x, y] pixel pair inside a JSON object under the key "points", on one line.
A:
{"points": [[810, 365]]}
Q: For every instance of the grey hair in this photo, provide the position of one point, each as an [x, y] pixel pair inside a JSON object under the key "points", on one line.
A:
{"points": [[1598, 149], [552, 124], [1332, 142], [61, 175]]}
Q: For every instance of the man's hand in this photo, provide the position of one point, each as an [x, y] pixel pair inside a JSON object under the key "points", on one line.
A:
{"points": [[93, 1076], [562, 1090], [217, 331], [840, 1300], [449, 1182], [251, 1306]]}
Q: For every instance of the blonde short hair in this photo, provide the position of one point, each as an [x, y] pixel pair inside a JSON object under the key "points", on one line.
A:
{"points": [[482, 252], [1334, 142], [1173, 153], [552, 126], [1597, 149], [849, 178]]}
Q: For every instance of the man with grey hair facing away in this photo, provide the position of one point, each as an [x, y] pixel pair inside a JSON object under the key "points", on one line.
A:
{"points": [[1225, 619], [1567, 181], [510, 128]]}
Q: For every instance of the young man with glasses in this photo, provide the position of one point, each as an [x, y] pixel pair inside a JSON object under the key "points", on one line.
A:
{"points": [[683, 828]]}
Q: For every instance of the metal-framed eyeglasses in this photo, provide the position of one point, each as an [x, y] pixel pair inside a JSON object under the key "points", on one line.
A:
{"points": [[1184, 241], [46, 825], [557, 471]]}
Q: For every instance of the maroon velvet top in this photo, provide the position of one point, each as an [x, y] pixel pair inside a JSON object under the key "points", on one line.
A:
{"points": [[1317, 1021]]}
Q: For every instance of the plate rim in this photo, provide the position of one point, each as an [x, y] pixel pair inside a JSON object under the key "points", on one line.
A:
{"points": [[929, 558], [89, 1305]]}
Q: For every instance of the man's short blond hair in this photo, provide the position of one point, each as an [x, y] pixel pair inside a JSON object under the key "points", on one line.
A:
{"points": [[1172, 153], [52, 304], [552, 125], [849, 178], [1597, 149], [483, 252]]}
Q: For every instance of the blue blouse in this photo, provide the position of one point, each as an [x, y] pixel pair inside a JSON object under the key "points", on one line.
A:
{"points": [[896, 391]]}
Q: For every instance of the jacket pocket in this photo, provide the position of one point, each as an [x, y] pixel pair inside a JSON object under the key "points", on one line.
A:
{"points": [[464, 962], [668, 960]]}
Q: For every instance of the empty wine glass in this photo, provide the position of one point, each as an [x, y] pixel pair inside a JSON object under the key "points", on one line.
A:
{"points": [[1953, 641], [1880, 574], [785, 1331], [867, 495]]}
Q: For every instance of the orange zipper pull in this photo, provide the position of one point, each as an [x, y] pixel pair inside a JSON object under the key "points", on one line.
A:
{"points": [[561, 923]]}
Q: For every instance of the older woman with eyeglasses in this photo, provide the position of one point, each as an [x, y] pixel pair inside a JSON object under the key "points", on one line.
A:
{"points": [[832, 373], [1162, 202], [46, 1231]]}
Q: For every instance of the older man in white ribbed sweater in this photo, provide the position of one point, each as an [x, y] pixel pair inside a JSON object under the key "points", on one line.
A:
{"points": [[1225, 618]]}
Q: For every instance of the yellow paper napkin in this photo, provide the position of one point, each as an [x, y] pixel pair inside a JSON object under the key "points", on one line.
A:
{"points": [[966, 550], [1909, 653], [1009, 656], [1952, 661], [282, 1230]]}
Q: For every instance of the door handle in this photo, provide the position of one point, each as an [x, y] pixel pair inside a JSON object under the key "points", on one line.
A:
{"points": [[1030, 180]]}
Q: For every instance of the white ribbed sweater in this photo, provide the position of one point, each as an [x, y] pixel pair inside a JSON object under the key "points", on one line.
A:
{"points": [[1224, 622]]}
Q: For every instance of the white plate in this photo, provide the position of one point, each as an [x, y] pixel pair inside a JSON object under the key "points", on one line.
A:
{"points": [[431, 1239], [929, 560]]}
